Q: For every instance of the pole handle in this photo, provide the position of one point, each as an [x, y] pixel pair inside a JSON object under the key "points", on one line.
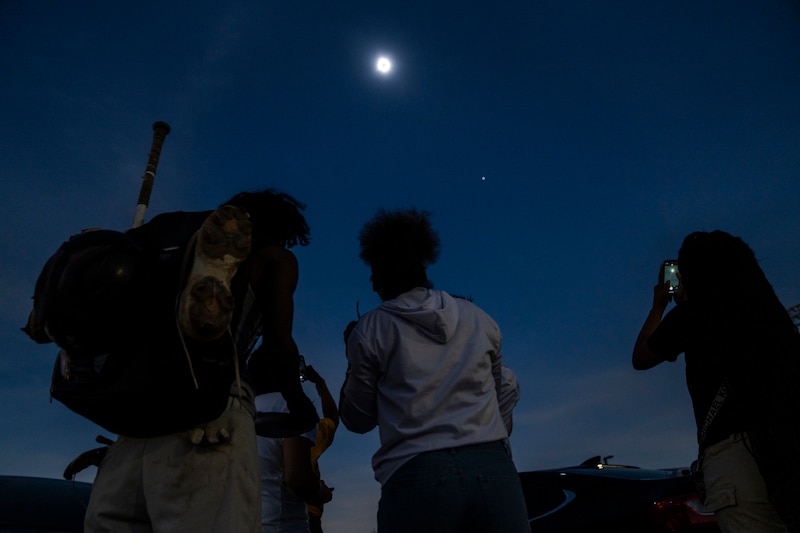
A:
{"points": [[160, 131]]}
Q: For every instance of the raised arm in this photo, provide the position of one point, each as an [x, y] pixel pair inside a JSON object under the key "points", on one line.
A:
{"points": [[327, 402], [644, 358], [298, 473]]}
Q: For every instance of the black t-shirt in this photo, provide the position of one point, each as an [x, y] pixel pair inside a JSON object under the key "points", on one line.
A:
{"points": [[709, 348]]}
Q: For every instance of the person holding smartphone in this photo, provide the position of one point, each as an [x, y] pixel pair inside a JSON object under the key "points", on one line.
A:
{"points": [[742, 354]]}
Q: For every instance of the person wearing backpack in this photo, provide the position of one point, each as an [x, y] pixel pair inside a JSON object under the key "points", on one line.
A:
{"points": [[742, 354], [197, 291]]}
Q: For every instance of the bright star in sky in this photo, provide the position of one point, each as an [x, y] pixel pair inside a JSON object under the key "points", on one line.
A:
{"points": [[383, 65]]}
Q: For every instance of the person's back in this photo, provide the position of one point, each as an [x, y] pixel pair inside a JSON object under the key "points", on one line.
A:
{"points": [[439, 356], [426, 368], [188, 359]]}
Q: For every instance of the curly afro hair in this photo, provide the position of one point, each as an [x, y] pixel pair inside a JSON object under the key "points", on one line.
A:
{"points": [[399, 241]]}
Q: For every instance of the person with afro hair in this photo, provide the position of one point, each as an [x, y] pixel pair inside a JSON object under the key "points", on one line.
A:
{"points": [[425, 367]]}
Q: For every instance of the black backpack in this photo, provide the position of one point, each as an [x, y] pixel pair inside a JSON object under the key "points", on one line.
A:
{"points": [[107, 300], [81, 297]]}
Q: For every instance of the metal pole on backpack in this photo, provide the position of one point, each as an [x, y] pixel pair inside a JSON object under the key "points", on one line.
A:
{"points": [[160, 131]]}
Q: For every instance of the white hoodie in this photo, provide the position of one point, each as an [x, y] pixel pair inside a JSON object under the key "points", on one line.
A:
{"points": [[425, 367]]}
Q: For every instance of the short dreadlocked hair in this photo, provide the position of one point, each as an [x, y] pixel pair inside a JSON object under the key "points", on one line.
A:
{"points": [[400, 242], [276, 217]]}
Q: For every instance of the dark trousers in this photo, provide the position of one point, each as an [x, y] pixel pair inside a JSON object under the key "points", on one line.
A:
{"points": [[459, 490]]}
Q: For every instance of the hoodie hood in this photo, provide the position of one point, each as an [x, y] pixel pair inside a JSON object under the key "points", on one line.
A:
{"points": [[434, 313]]}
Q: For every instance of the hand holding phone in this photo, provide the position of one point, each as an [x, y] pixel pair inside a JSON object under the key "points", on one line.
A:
{"points": [[670, 274], [302, 369]]}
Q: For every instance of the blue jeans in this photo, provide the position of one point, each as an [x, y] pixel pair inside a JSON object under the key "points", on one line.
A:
{"points": [[460, 490]]}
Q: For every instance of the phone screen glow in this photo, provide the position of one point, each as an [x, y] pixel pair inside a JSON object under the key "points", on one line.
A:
{"points": [[671, 275]]}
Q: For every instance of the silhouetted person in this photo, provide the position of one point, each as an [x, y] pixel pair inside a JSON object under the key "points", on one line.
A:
{"points": [[290, 478], [742, 352], [425, 367], [222, 279]]}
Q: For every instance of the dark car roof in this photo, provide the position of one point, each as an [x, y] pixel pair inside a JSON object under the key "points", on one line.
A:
{"points": [[42, 504], [600, 497], [620, 472]]}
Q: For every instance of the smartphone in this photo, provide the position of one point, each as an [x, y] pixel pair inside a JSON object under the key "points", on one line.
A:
{"points": [[302, 369], [671, 275]]}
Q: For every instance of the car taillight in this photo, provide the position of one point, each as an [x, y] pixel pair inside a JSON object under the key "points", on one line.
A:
{"points": [[681, 514]]}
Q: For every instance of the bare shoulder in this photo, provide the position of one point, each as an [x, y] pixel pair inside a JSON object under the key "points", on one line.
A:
{"points": [[273, 263], [273, 257]]}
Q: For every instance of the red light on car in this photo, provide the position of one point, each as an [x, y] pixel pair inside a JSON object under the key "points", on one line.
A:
{"points": [[681, 514]]}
